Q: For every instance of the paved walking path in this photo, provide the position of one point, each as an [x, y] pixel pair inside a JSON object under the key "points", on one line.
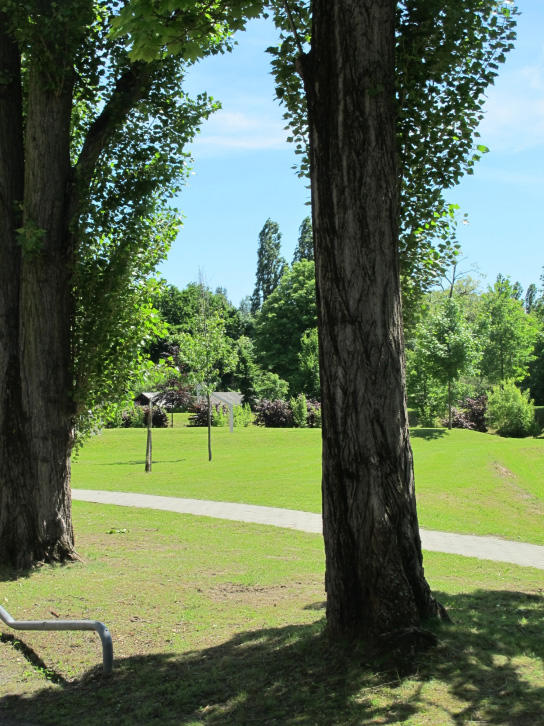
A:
{"points": [[485, 548]]}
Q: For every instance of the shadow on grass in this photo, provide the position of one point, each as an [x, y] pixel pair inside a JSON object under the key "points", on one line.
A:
{"points": [[292, 675], [9, 575], [139, 461], [428, 434]]}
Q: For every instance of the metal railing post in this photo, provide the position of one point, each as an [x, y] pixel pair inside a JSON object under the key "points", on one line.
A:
{"points": [[100, 628]]}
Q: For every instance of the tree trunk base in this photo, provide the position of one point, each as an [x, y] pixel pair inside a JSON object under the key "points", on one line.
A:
{"points": [[58, 553], [398, 651]]}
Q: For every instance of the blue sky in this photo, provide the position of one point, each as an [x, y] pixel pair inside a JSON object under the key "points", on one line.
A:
{"points": [[242, 171]]}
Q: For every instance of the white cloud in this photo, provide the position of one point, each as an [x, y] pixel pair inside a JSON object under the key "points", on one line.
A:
{"points": [[228, 131], [514, 119], [505, 176]]}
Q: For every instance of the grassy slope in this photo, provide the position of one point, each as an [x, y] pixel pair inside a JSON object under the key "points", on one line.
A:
{"points": [[218, 622], [465, 481]]}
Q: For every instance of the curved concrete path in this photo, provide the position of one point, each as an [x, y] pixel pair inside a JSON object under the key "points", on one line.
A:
{"points": [[484, 548]]}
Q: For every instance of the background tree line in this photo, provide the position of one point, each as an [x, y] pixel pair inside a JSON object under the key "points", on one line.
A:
{"points": [[461, 340], [470, 344]]}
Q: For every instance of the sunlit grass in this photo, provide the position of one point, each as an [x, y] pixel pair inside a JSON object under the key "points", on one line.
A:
{"points": [[219, 622], [465, 481]]}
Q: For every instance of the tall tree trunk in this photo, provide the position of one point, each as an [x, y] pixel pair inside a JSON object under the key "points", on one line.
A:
{"points": [[16, 519], [374, 574], [35, 519], [39, 206]]}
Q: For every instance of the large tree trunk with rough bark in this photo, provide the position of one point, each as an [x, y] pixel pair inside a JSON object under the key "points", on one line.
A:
{"points": [[42, 197], [374, 575], [35, 317]]}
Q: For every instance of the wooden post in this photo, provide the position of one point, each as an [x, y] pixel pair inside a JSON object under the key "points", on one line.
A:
{"points": [[209, 427], [149, 447], [231, 417]]}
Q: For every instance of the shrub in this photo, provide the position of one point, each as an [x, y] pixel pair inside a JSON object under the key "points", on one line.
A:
{"points": [[511, 412], [429, 403], [271, 387], [220, 415], [199, 414], [314, 413], [135, 417], [160, 417], [471, 415], [275, 414], [242, 415], [175, 397], [299, 410]]}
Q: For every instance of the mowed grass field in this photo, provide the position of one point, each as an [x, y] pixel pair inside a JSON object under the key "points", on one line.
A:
{"points": [[222, 623], [466, 482]]}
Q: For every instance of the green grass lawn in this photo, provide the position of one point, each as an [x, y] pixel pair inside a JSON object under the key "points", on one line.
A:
{"points": [[465, 481], [218, 622]]}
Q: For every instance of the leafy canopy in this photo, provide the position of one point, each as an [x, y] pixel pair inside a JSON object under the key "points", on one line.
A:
{"points": [[206, 352], [507, 332], [447, 52], [286, 314]]}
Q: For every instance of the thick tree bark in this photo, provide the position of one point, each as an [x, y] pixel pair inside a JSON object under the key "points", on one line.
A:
{"points": [[36, 508], [374, 575], [16, 518], [40, 203]]}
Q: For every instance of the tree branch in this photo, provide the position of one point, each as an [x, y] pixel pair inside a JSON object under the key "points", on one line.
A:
{"points": [[131, 87], [293, 27]]}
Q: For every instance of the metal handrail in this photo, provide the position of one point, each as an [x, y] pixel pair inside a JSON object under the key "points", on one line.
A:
{"points": [[100, 628]]}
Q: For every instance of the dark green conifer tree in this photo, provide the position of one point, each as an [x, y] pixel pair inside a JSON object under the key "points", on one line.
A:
{"points": [[270, 264], [305, 246]]}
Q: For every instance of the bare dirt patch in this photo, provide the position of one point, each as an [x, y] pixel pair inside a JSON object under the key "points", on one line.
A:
{"points": [[254, 595], [517, 492], [503, 472]]}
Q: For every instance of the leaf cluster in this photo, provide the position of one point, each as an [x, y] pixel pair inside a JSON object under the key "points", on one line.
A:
{"points": [[155, 29]]}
